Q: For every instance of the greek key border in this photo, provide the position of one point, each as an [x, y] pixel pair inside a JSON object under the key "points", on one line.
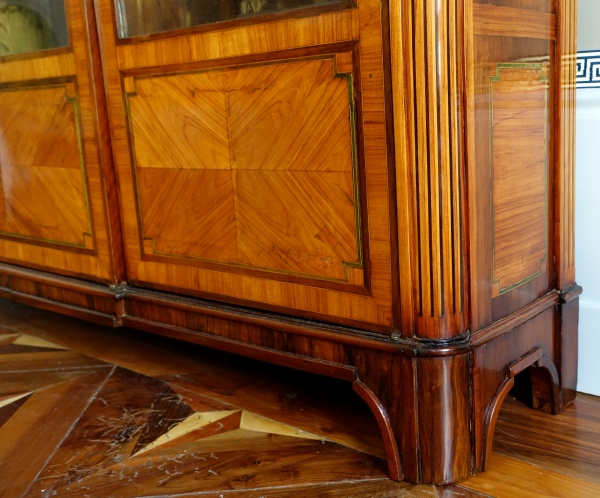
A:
{"points": [[588, 69]]}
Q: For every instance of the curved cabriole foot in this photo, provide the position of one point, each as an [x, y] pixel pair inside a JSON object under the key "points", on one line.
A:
{"points": [[385, 427]]}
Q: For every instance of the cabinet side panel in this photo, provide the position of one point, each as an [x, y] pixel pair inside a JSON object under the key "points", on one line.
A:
{"points": [[511, 156]]}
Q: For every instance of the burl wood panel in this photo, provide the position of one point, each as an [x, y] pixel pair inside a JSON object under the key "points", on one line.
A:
{"points": [[254, 166], [41, 160], [519, 122]]}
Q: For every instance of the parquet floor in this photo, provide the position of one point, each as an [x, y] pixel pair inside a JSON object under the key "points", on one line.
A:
{"points": [[87, 411]]}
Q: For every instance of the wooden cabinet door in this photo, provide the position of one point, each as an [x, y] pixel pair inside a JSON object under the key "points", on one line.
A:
{"points": [[53, 210], [252, 153]]}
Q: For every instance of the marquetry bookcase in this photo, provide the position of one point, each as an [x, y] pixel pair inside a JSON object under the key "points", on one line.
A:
{"points": [[381, 192]]}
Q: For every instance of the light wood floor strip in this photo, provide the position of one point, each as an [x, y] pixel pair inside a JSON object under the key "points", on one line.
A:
{"points": [[509, 477]]}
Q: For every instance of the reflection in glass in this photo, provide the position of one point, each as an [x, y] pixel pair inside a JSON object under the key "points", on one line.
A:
{"points": [[32, 25], [142, 17]]}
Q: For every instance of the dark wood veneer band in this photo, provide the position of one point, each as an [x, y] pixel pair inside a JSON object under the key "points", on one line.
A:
{"points": [[57, 307], [389, 343], [282, 358], [84, 287]]}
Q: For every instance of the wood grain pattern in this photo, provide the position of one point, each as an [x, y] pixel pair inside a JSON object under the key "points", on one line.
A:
{"points": [[490, 362], [219, 44], [491, 20], [260, 50], [519, 123], [77, 203], [565, 140], [241, 166], [60, 215], [188, 213], [485, 55], [547, 6], [369, 489], [7, 411], [130, 428], [244, 136], [66, 360], [180, 121], [426, 65], [31, 420], [240, 392], [527, 480], [46, 117], [302, 222], [41, 158], [557, 454], [40, 67], [450, 462], [532, 437]]}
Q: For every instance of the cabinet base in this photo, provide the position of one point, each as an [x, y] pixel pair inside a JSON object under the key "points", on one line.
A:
{"points": [[436, 404]]}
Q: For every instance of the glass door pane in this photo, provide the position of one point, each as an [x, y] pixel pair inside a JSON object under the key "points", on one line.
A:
{"points": [[32, 25], [143, 17]]}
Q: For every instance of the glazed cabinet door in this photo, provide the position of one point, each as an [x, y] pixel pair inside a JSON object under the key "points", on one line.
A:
{"points": [[53, 208], [250, 139]]}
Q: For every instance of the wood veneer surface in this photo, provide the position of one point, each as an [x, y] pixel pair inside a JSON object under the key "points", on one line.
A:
{"points": [[299, 216], [54, 168], [250, 429]]}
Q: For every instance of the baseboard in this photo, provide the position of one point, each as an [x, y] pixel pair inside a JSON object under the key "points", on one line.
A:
{"points": [[589, 345]]}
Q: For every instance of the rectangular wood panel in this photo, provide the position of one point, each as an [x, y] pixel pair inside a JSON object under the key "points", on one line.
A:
{"points": [[519, 121], [512, 48], [253, 166], [41, 160]]}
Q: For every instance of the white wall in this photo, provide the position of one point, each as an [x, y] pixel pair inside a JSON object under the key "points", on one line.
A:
{"points": [[587, 226], [589, 17]]}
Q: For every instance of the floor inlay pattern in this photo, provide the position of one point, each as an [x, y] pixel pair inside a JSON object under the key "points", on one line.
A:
{"points": [[92, 412]]}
